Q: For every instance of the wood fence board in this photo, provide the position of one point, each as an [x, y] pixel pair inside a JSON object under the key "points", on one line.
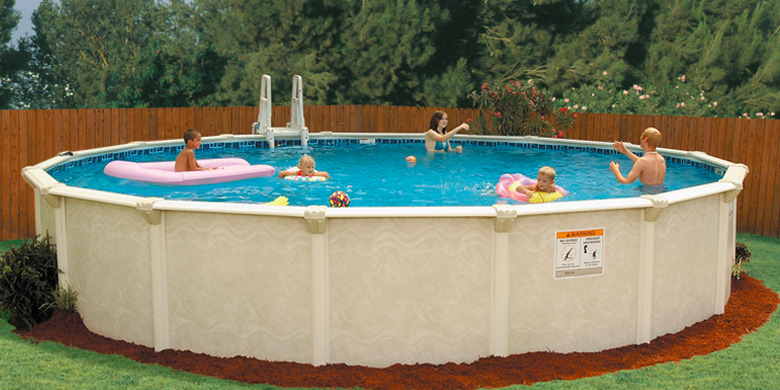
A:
{"points": [[773, 197], [756, 128], [13, 178], [19, 148], [58, 136], [117, 128], [5, 171], [744, 149], [768, 170], [125, 126], [172, 123], [47, 133], [86, 123]]}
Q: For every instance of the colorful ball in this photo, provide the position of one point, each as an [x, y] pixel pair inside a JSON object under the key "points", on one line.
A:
{"points": [[411, 159], [339, 199]]}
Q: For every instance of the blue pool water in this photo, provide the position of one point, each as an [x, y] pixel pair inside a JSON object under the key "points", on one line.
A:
{"points": [[378, 175]]}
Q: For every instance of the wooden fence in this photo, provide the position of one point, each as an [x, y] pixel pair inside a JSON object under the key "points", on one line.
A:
{"points": [[31, 136]]}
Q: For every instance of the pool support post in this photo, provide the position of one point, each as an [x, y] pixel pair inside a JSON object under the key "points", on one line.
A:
{"points": [[316, 225], [499, 308]]}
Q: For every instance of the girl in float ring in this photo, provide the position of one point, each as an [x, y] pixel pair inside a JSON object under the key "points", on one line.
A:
{"points": [[304, 171], [437, 139]]}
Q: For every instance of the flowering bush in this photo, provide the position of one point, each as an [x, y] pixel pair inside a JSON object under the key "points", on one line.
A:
{"points": [[518, 108], [679, 98]]}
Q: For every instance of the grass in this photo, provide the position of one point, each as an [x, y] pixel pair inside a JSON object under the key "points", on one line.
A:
{"points": [[753, 363]]}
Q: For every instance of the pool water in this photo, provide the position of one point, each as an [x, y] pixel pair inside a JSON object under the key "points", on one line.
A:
{"points": [[378, 175]]}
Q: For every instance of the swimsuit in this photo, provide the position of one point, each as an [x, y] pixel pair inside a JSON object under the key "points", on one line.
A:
{"points": [[445, 146]]}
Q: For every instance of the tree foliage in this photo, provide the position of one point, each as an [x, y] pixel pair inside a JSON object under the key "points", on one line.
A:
{"points": [[136, 53]]}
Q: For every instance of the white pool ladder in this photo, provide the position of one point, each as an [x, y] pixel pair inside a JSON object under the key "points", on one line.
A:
{"points": [[296, 127]]}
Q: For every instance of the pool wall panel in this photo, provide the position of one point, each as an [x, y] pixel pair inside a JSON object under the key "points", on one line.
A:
{"points": [[109, 267], [239, 285], [684, 270], [585, 313], [409, 290]]}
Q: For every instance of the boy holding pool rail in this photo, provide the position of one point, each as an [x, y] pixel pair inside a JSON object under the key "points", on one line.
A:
{"points": [[650, 169]]}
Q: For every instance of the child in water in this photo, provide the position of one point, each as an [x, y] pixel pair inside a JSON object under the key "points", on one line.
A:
{"points": [[543, 191], [305, 167], [185, 161]]}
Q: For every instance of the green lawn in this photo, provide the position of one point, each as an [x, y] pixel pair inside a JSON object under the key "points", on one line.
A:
{"points": [[753, 363]]}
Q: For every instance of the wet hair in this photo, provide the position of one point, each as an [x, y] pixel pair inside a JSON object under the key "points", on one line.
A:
{"points": [[304, 159], [548, 171], [435, 118], [190, 135], [653, 136]]}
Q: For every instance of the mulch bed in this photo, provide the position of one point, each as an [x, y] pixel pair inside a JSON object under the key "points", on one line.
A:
{"points": [[750, 306]]}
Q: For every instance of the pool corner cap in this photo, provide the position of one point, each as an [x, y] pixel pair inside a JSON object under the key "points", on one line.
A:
{"points": [[315, 219], [658, 205], [51, 199], [505, 217], [146, 208]]}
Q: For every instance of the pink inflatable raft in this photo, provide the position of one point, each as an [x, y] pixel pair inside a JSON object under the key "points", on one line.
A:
{"points": [[508, 182], [230, 169]]}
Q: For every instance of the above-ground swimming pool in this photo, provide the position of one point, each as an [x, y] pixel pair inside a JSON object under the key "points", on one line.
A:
{"points": [[393, 284], [375, 173]]}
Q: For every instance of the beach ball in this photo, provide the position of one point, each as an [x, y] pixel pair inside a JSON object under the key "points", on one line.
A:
{"points": [[339, 199], [411, 159]]}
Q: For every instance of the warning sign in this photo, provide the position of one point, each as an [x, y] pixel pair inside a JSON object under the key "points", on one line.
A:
{"points": [[579, 253]]}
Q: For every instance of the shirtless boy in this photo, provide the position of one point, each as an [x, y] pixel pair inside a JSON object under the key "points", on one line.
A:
{"points": [[185, 161], [650, 169]]}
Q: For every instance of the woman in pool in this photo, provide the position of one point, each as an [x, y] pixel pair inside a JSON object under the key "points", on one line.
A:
{"points": [[437, 138]]}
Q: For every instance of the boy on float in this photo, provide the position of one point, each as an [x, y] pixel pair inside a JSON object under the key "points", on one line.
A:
{"points": [[185, 161], [543, 191]]}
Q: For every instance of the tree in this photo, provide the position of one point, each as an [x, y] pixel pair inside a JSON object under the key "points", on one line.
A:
{"points": [[280, 38], [9, 57]]}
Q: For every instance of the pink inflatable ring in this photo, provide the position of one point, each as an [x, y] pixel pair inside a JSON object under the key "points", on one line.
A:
{"points": [[506, 188]]}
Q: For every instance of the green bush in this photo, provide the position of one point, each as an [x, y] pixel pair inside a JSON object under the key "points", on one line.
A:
{"points": [[28, 280]]}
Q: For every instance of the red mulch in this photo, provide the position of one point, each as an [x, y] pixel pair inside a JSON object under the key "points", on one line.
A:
{"points": [[750, 306]]}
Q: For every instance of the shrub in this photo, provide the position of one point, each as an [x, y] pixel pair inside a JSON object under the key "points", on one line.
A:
{"points": [[682, 97], [65, 299], [28, 279], [742, 257], [518, 108]]}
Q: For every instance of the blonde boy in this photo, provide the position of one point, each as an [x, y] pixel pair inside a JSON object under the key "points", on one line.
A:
{"points": [[650, 169]]}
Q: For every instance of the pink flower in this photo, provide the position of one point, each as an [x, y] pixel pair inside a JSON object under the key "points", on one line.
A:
{"points": [[484, 87], [605, 73], [498, 114], [575, 115], [468, 120]]}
